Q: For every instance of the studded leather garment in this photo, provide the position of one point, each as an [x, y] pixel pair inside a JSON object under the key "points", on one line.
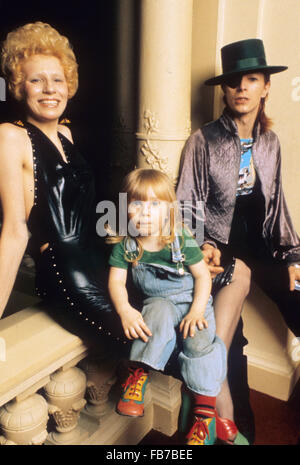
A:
{"points": [[71, 272]]}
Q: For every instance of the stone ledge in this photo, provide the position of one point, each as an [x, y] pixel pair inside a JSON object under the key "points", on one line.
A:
{"points": [[36, 346], [273, 357]]}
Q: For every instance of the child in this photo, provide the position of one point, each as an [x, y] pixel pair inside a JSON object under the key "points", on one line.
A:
{"points": [[175, 282]]}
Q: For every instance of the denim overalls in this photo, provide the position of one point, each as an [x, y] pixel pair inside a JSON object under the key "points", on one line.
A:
{"points": [[168, 294]]}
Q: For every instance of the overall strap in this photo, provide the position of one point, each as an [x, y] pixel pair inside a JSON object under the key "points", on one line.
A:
{"points": [[132, 252], [131, 249], [177, 256]]}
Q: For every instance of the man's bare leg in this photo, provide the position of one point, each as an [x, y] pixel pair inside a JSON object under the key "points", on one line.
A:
{"points": [[228, 305]]}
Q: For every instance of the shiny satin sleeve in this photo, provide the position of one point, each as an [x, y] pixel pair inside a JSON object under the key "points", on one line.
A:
{"points": [[284, 240], [192, 187]]}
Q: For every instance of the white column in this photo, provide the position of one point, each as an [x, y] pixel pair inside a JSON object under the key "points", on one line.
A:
{"points": [[164, 83]]}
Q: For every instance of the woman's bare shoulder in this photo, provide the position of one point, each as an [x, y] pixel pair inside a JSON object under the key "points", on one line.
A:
{"points": [[9, 131], [13, 140]]}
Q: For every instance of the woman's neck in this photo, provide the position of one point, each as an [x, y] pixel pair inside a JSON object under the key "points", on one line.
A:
{"points": [[47, 127]]}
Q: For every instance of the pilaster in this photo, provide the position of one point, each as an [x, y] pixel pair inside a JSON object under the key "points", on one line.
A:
{"points": [[164, 83]]}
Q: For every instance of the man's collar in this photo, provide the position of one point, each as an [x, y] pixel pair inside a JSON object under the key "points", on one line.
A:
{"points": [[229, 124]]}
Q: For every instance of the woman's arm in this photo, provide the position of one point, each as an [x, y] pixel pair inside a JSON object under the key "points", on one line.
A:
{"points": [[132, 320], [202, 289], [14, 234]]}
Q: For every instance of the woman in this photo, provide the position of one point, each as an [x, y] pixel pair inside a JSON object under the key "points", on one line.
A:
{"points": [[47, 188], [233, 166]]}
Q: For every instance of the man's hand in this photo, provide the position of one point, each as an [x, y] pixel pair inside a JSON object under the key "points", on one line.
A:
{"points": [[294, 275], [212, 257]]}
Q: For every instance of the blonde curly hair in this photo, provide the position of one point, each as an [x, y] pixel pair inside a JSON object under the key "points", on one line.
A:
{"points": [[36, 39]]}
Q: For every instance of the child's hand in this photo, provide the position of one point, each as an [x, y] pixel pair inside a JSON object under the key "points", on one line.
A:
{"points": [[134, 325], [189, 323]]}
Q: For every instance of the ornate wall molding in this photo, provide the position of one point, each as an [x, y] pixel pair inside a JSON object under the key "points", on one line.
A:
{"points": [[150, 151]]}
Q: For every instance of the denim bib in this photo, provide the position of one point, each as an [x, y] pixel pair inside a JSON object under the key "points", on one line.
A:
{"points": [[155, 280]]}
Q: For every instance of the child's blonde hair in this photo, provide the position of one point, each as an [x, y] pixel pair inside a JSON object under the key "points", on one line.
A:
{"points": [[136, 184], [36, 39]]}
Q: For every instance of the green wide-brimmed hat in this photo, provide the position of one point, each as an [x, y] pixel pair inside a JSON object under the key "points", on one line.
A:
{"points": [[242, 57]]}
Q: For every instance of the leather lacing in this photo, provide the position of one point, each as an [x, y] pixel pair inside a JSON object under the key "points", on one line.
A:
{"points": [[134, 382]]}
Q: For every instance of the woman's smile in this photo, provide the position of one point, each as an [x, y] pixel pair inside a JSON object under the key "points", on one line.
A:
{"points": [[49, 103]]}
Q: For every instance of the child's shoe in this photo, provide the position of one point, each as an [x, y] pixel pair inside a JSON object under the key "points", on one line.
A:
{"points": [[132, 400], [203, 432], [228, 432]]}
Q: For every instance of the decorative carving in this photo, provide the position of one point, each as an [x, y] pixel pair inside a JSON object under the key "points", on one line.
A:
{"points": [[153, 157], [66, 420], [39, 439], [97, 397], [65, 392], [101, 377], [188, 127], [151, 124], [149, 150], [24, 422]]}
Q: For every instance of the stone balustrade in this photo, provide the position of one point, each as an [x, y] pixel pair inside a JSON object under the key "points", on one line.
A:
{"points": [[56, 390]]}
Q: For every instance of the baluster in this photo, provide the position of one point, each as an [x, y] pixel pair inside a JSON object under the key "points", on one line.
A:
{"points": [[65, 395], [24, 422], [100, 373]]}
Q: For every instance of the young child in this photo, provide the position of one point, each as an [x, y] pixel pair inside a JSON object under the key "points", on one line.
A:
{"points": [[168, 268]]}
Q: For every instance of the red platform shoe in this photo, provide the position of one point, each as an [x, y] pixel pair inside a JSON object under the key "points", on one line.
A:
{"points": [[227, 431]]}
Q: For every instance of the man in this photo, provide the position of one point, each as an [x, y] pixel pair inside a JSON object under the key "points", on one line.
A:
{"points": [[247, 231]]}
